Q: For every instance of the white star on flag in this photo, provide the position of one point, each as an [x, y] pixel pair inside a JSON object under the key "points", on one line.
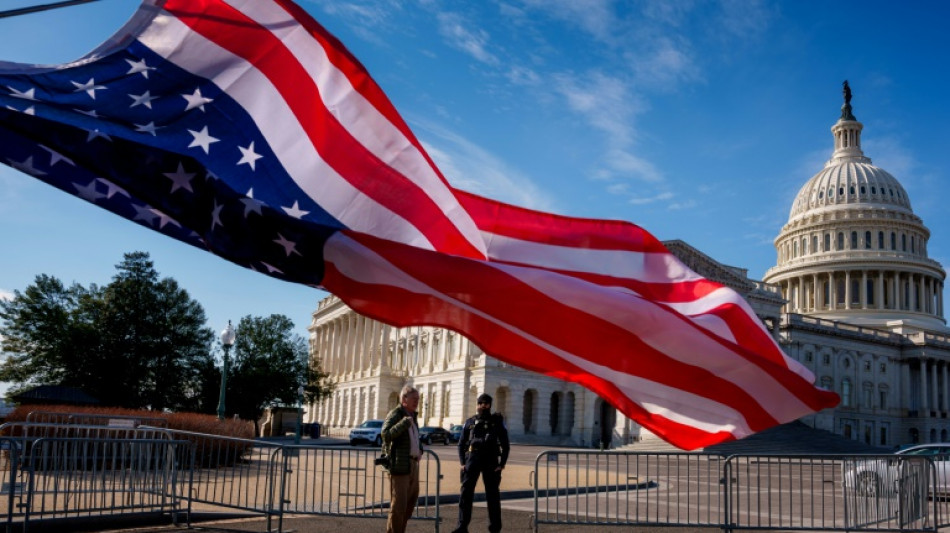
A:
{"points": [[289, 247], [90, 87], [146, 128], [89, 192], [180, 179], [295, 211], [56, 157], [248, 156], [250, 204], [142, 99], [26, 95], [202, 139], [196, 100], [138, 67], [26, 166]]}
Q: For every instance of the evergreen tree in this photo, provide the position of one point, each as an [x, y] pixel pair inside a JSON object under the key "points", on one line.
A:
{"points": [[270, 365], [138, 342]]}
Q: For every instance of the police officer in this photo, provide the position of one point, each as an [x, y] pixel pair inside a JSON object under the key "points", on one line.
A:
{"points": [[483, 449]]}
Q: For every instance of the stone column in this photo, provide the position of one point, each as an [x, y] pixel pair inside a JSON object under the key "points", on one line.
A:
{"points": [[816, 288], [880, 289], [847, 289], [864, 290], [934, 391], [832, 292], [924, 400]]}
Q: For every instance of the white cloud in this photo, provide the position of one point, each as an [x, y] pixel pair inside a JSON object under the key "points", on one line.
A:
{"points": [[6, 295], [593, 16], [644, 200], [473, 41], [471, 168]]}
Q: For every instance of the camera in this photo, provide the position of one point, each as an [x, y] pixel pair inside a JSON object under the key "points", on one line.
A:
{"points": [[382, 460]]}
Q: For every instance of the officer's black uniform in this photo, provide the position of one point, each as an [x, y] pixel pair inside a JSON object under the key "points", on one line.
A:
{"points": [[483, 447]]}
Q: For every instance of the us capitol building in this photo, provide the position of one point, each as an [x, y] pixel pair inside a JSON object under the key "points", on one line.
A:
{"points": [[853, 297]]}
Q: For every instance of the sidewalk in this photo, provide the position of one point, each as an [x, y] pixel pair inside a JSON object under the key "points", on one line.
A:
{"points": [[512, 521]]}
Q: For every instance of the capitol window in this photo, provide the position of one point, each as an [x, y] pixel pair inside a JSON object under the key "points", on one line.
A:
{"points": [[827, 242], [854, 240], [867, 365], [863, 190], [840, 241], [893, 241], [880, 240], [846, 393], [867, 240], [851, 190]]}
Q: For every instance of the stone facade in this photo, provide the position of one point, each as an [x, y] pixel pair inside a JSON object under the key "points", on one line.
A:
{"points": [[853, 296]]}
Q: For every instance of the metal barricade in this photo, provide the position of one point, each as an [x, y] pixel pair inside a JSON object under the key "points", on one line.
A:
{"points": [[231, 472], [82, 477], [627, 488], [832, 493], [344, 481]]}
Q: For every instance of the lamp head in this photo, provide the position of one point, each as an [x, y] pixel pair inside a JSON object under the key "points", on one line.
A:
{"points": [[227, 335]]}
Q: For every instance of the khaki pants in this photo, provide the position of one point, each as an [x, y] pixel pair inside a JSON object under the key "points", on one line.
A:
{"points": [[404, 494]]}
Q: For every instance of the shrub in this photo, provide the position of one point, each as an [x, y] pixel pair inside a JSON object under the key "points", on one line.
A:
{"points": [[211, 449]]}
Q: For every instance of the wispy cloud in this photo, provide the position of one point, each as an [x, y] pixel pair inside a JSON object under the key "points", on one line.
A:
{"points": [[644, 200], [470, 167], [461, 35], [5, 294]]}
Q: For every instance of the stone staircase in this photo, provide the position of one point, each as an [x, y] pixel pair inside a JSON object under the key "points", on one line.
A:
{"points": [[794, 438]]}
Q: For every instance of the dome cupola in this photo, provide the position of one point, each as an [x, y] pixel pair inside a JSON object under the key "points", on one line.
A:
{"points": [[853, 250]]}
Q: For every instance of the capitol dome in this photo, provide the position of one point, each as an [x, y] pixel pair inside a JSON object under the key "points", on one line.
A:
{"points": [[853, 250]]}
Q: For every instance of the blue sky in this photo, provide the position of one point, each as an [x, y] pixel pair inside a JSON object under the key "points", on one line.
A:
{"points": [[698, 120]]}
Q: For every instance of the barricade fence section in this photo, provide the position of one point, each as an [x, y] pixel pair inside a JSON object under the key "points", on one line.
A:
{"points": [[81, 477], [628, 488], [345, 481], [842, 493], [231, 472]]}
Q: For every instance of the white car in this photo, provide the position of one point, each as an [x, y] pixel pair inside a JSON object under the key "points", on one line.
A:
{"points": [[367, 432], [886, 475]]}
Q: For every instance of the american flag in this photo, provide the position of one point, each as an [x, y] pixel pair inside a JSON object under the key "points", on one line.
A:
{"points": [[244, 128]]}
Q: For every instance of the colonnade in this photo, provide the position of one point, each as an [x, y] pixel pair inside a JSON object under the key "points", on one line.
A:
{"points": [[934, 387], [864, 289]]}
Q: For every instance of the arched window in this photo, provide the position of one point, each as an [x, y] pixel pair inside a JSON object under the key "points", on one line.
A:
{"points": [[827, 242], [903, 242], [804, 246], [880, 240], [912, 247], [854, 240], [840, 240], [867, 239], [814, 244], [795, 249], [893, 241], [846, 400]]}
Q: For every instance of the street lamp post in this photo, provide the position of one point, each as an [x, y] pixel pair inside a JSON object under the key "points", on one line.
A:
{"points": [[227, 340], [299, 414]]}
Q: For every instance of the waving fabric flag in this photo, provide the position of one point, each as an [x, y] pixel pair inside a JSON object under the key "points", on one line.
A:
{"points": [[242, 127]]}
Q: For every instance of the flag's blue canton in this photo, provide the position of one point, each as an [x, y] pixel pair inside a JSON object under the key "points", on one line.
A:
{"points": [[138, 136]]}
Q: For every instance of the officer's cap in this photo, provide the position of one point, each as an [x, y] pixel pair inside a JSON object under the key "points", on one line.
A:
{"points": [[484, 398]]}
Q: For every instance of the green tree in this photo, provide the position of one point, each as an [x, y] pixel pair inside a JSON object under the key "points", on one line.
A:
{"points": [[138, 342], [270, 364], [41, 334]]}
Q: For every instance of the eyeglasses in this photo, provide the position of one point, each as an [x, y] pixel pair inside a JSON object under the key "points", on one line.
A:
{"points": [[484, 403]]}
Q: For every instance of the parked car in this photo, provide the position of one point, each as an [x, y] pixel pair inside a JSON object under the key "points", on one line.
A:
{"points": [[367, 432], [456, 432], [432, 434], [886, 475]]}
